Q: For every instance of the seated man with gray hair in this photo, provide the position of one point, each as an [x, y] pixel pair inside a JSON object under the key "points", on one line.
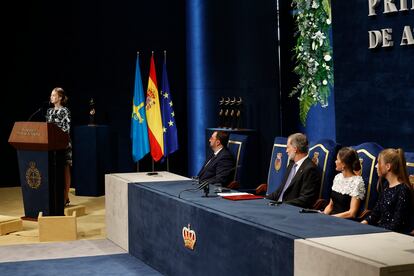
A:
{"points": [[301, 183]]}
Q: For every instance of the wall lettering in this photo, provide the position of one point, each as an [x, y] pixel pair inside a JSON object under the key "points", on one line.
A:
{"points": [[383, 37]]}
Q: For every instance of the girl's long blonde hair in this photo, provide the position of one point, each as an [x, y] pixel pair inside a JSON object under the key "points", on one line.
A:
{"points": [[396, 158]]}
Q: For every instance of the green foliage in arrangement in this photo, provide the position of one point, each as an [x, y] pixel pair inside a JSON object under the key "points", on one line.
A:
{"points": [[313, 54]]}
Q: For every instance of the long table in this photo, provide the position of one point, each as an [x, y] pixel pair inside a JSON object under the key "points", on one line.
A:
{"points": [[116, 201], [232, 237]]}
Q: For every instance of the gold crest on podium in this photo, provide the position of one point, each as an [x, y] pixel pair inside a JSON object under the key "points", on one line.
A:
{"points": [[33, 176], [278, 161], [189, 237]]}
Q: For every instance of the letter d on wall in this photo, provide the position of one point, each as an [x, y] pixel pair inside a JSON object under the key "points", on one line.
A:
{"points": [[375, 38]]}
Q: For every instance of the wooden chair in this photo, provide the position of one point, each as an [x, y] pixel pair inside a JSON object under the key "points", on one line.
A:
{"points": [[237, 145], [277, 167], [323, 153]]}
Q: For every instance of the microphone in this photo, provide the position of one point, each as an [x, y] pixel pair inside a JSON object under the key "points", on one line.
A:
{"points": [[195, 178], [212, 179], [38, 110], [205, 185]]}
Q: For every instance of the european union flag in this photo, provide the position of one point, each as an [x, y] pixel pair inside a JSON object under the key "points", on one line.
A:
{"points": [[168, 116], [139, 130]]}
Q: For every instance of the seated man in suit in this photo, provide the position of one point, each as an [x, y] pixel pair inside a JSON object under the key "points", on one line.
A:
{"points": [[301, 183], [219, 167]]}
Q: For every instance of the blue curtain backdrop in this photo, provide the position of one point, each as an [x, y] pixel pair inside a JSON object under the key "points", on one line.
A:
{"points": [[321, 123], [198, 104], [232, 51]]}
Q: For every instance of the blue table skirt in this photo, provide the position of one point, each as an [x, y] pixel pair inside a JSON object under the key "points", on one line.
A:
{"points": [[243, 237]]}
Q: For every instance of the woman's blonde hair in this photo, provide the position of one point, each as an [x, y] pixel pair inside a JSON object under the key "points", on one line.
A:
{"points": [[61, 94], [396, 158]]}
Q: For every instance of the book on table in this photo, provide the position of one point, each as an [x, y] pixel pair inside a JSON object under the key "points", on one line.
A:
{"points": [[239, 196]]}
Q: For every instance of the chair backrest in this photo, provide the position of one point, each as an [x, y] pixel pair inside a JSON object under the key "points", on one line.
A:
{"points": [[237, 145], [409, 158], [368, 154], [323, 153], [278, 164]]}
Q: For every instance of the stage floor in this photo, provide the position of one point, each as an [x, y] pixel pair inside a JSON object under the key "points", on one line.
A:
{"points": [[90, 226]]}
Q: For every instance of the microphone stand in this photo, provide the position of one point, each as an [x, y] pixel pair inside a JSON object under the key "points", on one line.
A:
{"points": [[206, 189], [34, 113], [37, 111], [205, 186]]}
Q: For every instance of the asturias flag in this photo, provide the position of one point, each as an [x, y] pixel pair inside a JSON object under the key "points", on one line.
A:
{"points": [[153, 112], [139, 132], [168, 120]]}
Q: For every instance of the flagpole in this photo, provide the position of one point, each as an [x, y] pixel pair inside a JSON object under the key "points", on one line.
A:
{"points": [[279, 71], [138, 161], [152, 160], [168, 160]]}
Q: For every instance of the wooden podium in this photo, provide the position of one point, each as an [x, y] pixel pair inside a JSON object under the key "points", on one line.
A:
{"points": [[41, 155]]}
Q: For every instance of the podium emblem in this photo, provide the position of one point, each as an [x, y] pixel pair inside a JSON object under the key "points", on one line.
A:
{"points": [[278, 161], [33, 176]]}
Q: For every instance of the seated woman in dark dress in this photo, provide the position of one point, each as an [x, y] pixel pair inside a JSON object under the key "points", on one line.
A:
{"points": [[348, 189], [393, 208]]}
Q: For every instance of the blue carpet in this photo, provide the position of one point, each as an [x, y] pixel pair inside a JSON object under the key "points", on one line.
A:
{"points": [[119, 264]]}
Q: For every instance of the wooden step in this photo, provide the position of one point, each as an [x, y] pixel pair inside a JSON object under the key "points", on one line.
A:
{"points": [[57, 228], [79, 209], [10, 224]]}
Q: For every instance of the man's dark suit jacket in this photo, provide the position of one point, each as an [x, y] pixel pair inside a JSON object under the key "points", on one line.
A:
{"points": [[303, 191], [220, 170]]}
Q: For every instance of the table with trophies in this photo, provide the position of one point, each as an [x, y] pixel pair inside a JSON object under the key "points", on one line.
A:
{"points": [[92, 155], [230, 117], [230, 120]]}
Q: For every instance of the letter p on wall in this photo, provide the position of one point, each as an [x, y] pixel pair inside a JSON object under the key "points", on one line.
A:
{"points": [[372, 4]]}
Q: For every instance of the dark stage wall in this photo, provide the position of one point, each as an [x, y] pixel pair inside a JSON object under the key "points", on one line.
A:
{"points": [[215, 49], [374, 88], [89, 49]]}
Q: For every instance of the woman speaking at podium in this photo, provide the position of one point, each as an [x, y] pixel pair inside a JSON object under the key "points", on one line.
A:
{"points": [[60, 115]]}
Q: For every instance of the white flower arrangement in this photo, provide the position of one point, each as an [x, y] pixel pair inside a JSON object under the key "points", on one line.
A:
{"points": [[313, 53]]}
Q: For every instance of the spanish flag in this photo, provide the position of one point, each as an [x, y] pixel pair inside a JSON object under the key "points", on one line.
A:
{"points": [[153, 112]]}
